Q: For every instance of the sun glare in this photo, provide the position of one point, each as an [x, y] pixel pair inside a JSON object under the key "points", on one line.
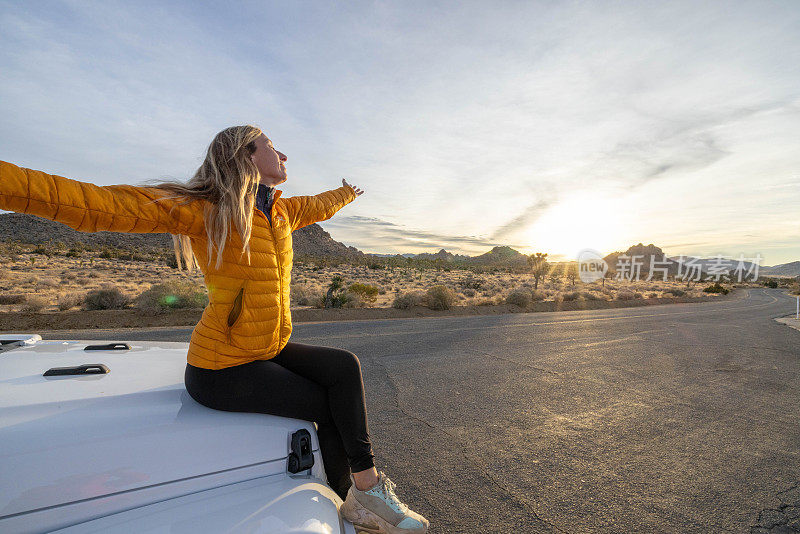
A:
{"points": [[579, 222]]}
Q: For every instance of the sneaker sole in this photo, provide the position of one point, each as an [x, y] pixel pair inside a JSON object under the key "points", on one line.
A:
{"points": [[369, 522]]}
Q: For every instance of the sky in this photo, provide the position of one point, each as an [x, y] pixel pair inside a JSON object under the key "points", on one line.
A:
{"points": [[544, 126]]}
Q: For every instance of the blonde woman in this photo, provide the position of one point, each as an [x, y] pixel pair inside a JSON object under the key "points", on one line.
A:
{"points": [[231, 222]]}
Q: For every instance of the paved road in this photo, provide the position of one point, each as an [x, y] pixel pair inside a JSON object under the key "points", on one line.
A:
{"points": [[673, 418]]}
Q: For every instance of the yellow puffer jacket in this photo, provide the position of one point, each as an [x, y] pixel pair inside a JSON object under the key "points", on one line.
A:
{"points": [[248, 316]]}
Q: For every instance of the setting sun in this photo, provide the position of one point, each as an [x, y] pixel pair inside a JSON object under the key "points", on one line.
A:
{"points": [[581, 221]]}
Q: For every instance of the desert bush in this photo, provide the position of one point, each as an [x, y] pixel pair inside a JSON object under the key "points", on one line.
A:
{"points": [[31, 280], [12, 298], [624, 294], [69, 301], [171, 295], [469, 292], [652, 295], [519, 297], [4, 274], [406, 300], [300, 295], [638, 295], [675, 292], [470, 282], [48, 282], [68, 276], [34, 304], [484, 302], [440, 297], [366, 292], [107, 297], [571, 295], [716, 288], [771, 284], [353, 300]]}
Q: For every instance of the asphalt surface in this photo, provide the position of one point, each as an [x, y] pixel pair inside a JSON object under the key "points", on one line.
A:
{"points": [[672, 418]]}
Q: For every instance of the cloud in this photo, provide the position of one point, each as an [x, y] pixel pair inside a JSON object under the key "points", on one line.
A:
{"points": [[377, 235]]}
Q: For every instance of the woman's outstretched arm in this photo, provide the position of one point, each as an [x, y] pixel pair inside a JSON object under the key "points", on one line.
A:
{"points": [[305, 210], [91, 208]]}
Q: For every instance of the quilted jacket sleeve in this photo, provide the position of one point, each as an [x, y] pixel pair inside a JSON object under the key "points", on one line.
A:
{"points": [[305, 210], [91, 208]]}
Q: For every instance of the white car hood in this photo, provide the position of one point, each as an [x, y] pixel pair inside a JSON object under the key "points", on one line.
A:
{"points": [[71, 438]]}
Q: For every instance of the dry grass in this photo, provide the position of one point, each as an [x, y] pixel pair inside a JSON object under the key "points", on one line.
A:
{"points": [[61, 283]]}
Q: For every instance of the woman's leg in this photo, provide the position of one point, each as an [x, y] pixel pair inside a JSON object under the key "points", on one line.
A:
{"points": [[264, 386], [339, 371]]}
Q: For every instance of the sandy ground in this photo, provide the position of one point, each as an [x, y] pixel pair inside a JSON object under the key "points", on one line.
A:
{"points": [[132, 318]]}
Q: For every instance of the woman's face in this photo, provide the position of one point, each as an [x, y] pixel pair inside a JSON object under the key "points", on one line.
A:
{"points": [[270, 162]]}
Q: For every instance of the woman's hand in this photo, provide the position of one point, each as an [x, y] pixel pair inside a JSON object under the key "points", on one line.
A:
{"points": [[357, 190]]}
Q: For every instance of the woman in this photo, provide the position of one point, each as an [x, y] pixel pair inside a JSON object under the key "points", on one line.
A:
{"points": [[231, 222]]}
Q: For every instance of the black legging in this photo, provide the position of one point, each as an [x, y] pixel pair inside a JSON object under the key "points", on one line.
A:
{"points": [[307, 382]]}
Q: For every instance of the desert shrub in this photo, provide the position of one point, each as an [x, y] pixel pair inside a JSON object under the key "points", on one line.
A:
{"points": [[571, 295], [69, 301], [591, 295], [771, 284], [638, 295], [652, 295], [675, 292], [34, 304], [48, 282], [624, 294], [31, 280], [470, 282], [12, 298], [68, 276], [300, 295], [406, 300], [469, 292], [484, 302], [171, 295], [108, 297], [519, 297], [367, 292], [716, 288], [4, 274], [353, 300], [440, 297]]}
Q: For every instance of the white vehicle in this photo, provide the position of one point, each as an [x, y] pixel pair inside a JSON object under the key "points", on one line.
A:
{"points": [[103, 437]]}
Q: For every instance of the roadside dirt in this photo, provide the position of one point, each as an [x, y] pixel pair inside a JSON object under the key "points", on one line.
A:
{"points": [[132, 318]]}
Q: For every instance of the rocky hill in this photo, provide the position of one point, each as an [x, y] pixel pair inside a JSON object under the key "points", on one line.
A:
{"points": [[311, 240]]}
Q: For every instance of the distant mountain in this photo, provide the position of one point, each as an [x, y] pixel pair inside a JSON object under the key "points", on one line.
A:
{"points": [[310, 240], [313, 241], [441, 255], [646, 254], [501, 256], [35, 230], [784, 269]]}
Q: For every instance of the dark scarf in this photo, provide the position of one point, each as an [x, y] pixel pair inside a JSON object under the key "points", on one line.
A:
{"points": [[264, 199]]}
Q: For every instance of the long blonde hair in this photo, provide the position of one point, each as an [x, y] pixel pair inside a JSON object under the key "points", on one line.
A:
{"points": [[228, 180]]}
